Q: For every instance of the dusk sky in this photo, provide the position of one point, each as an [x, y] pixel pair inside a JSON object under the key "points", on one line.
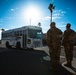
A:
{"points": [[18, 13]]}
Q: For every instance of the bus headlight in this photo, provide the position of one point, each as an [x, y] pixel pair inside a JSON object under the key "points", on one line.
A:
{"points": [[29, 41]]}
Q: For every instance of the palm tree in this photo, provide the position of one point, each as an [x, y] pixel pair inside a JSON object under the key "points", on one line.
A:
{"points": [[51, 7]]}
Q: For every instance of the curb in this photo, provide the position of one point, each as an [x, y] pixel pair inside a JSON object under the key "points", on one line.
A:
{"points": [[71, 69]]}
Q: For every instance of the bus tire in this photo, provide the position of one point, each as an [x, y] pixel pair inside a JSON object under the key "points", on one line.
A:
{"points": [[7, 45], [18, 45]]}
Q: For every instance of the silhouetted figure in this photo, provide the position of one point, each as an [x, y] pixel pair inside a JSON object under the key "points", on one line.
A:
{"points": [[54, 44], [68, 43]]}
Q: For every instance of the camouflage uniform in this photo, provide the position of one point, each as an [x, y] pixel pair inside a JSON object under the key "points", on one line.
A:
{"points": [[54, 44], [68, 43]]}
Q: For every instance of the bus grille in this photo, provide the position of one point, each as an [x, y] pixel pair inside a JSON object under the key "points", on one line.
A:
{"points": [[37, 43]]}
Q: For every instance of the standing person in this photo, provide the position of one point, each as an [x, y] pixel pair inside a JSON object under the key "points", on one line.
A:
{"points": [[68, 43], [54, 44]]}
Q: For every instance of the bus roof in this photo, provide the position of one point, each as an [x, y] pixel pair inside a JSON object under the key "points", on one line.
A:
{"points": [[24, 28]]}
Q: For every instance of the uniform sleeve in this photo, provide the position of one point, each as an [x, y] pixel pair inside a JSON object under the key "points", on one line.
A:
{"points": [[71, 37], [63, 38], [48, 38], [60, 34]]}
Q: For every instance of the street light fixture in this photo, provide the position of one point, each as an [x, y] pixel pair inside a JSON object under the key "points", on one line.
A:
{"points": [[51, 7], [2, 29], [39, 24]]}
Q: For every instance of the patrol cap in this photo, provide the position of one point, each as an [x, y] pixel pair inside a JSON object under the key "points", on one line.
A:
{"points": [[53, 23], [68, 25]]}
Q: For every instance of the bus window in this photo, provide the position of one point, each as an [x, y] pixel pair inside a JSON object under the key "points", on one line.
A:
{"points": [[20, 33], [35, 33]]}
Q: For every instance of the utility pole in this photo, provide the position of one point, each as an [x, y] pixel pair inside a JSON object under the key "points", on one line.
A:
{"points": [[51, 7], [30, 21]]}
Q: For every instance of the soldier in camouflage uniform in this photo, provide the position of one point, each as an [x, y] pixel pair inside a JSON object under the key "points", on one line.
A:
{"points": [[68, 43], [54, 44]]}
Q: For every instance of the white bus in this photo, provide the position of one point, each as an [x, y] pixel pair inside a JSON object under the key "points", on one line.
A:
{"points": [[23, 37]]}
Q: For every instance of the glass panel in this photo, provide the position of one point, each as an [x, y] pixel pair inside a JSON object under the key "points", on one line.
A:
{"points": [[35, 33]]}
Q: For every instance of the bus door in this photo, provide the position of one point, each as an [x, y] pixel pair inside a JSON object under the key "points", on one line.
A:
{"points": [[24, 40], [12, 41]]}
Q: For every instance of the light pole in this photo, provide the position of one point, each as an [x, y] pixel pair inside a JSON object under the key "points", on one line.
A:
{"points": [[39, 24], [2, 30], [51, 7]]}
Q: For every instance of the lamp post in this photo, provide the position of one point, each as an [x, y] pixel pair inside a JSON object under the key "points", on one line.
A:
{"points": [[2, 30], [39, 24], [51, 7]]}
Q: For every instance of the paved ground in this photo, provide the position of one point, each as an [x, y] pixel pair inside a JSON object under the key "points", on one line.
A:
{"points": [[24, 62]]}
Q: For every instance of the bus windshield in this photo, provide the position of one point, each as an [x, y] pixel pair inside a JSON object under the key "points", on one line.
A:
{"points": [[35, 33]]}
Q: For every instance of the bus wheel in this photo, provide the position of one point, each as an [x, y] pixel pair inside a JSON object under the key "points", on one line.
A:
{"points": [[18, 45], [7, 45]]}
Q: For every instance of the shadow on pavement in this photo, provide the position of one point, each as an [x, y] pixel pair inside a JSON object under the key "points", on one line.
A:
{"points": [[24, 62], [74, 69]]}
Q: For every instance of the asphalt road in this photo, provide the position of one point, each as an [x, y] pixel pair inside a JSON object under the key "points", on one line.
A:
{"points": [[26, 62], [62, 50]]}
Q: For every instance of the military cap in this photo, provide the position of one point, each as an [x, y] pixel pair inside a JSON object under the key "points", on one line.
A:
{"points": [[68, 25], [52, 22]]}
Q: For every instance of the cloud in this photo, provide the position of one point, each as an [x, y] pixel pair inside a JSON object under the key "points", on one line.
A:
{"points": [[63, 12], [61, 24], [46, 18], [56, 17], [16, 8], [12, 9], [57, 14]]}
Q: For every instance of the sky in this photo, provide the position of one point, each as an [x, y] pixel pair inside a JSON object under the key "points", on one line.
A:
{"points": [[18, 13]]}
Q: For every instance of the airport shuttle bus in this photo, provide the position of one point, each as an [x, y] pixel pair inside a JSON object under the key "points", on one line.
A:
{"points": [[23, 37]]}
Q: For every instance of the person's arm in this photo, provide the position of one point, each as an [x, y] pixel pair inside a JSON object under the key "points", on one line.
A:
{"points": [[63, 38], [48, 38]]}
